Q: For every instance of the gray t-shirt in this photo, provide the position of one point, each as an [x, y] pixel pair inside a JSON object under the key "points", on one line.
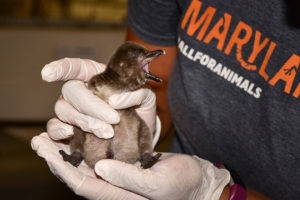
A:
{"points": [[233, 92]]}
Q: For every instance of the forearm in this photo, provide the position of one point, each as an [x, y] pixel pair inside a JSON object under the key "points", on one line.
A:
{"points": [[251, 195], [162, 68]]}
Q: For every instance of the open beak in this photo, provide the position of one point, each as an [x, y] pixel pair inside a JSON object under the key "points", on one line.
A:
{"points": [[151, 55]]}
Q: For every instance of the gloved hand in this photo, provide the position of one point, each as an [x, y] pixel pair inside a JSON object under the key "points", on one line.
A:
{"points": [[82, 180], [78, 106], [174, 177]]}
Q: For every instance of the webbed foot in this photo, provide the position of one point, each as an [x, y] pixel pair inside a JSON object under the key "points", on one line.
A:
{"points": [[75, 158], [148, 160]]}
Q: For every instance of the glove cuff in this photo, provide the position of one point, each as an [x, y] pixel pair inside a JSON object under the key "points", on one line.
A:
{"points": [[213, 182], [157, 132], [237, 187]]}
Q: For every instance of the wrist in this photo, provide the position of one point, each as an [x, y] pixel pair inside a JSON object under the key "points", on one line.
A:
{"points": [[225, 194], [237, 189]]}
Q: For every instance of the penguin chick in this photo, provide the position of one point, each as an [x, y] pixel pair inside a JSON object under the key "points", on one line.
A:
{"points": [[126, 71]]}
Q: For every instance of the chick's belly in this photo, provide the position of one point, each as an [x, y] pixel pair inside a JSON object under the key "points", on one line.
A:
{"points": [[95, 149], [124, 144]]}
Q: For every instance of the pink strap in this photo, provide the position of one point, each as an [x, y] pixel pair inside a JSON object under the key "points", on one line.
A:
{"points": [[237, 192]]}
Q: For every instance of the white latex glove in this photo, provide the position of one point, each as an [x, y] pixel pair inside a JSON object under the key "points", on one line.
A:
{"points": [[82, 108], [174, 177], [146, 100], [82, 180]]}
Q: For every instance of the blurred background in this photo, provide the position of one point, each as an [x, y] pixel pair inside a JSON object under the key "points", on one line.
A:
{"points": [[36, 32], [32, 34]]}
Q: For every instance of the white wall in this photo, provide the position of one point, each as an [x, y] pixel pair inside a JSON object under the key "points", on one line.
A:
{"points": [[23, 53]]}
